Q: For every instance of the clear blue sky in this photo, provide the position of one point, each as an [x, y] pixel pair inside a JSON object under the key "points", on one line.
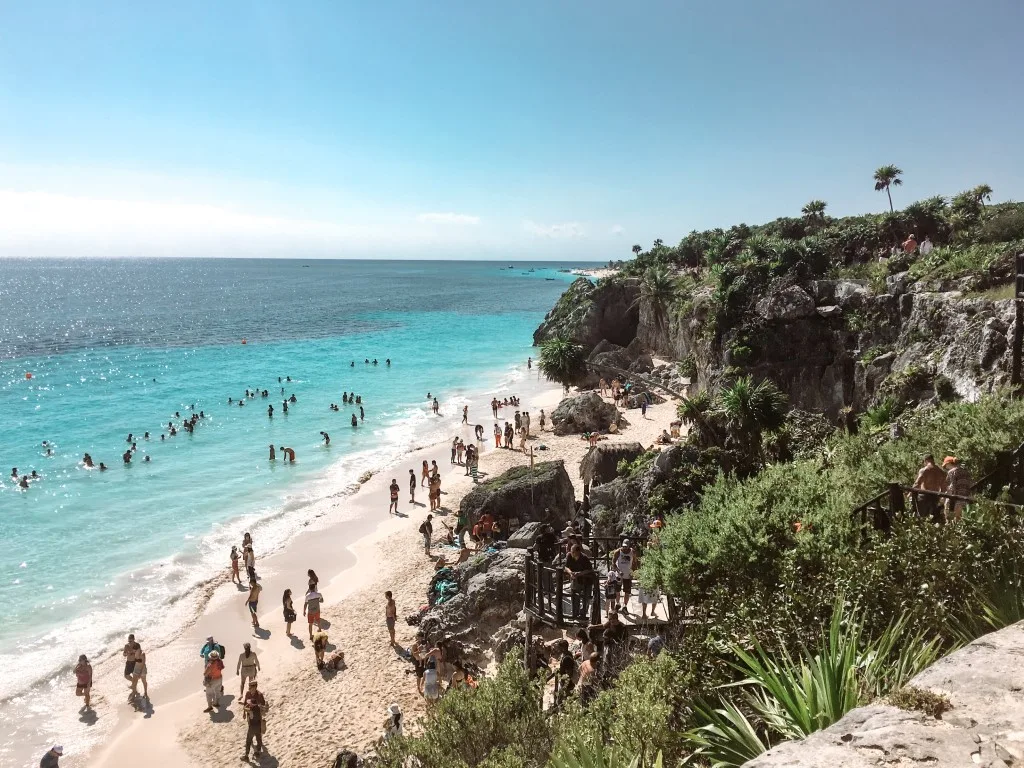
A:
{"points": [[483, 129]]}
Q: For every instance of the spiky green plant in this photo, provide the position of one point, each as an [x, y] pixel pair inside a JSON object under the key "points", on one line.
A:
{"points": [[724, 736]]}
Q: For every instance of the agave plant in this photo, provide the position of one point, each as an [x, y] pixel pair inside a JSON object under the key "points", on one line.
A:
{"points": [[791, 696]]}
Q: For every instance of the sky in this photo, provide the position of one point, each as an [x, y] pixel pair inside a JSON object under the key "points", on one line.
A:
{"points": [[543, 130]]}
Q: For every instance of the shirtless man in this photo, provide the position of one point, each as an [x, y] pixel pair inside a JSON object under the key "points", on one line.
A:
{"points": [[289, 454], [390, 614], [412, 486], [930, 477], [273, 453]]}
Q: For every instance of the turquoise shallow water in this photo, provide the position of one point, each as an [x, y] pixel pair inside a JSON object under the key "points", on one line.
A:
{"points": [[119, 346]]}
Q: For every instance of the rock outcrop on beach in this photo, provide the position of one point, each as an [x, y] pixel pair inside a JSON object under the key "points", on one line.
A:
{"points": [[542, 493], [588, 313], [985, 726], [585, 412], [492, 589]]}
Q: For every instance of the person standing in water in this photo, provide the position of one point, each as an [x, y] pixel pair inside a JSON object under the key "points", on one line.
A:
{"points": [[288, 453], [393, 508], [83, 678], [273, 453], [270, 411], [326, 437], [355, 421], [436, 408]]}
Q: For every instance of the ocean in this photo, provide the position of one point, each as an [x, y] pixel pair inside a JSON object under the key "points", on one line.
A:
{"points": [[92, 350]]}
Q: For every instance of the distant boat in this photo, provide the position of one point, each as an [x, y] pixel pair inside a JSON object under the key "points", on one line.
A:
{"points": [[531, 270], [510, 266], [305, 266]]}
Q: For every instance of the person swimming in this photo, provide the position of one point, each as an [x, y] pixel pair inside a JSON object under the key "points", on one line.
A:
{"points": [[87, 460], [103, 467], [127, 457], [23, 482], [146, 436], [293, 399], [375, 361], [388, 362]]}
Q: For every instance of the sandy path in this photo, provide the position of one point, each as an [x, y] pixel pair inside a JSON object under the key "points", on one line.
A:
{"points": [[313, 716]]}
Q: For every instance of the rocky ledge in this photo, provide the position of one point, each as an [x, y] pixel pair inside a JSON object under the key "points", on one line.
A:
{"points": [[984, 681]]}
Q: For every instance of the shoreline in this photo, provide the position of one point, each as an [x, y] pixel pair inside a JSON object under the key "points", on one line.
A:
{"points": [[358, 553]]}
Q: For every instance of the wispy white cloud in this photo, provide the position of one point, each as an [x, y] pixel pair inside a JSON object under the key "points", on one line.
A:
{"points": [[448, 218], [617, 229], [565, 230]]}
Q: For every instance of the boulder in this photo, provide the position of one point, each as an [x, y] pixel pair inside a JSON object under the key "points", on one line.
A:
{"points": [[492, 592], [585, 412], [788, 304], [830, 311], [520, 495], [525, 537]]}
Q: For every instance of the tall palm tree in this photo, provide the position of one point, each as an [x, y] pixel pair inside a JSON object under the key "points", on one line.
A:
{"points": [[658, 289], [636, 250], [562, 360], [885, 177], [814, 211], [982, 193]]}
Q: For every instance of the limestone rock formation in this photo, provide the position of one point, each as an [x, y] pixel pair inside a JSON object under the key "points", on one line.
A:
{"points": [[985, 727], [600, 465], [585, 412], [790, 303], [588, 313], [521, 494]]}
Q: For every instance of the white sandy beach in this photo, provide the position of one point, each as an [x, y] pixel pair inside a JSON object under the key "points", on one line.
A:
{"points": [[312, 716]]}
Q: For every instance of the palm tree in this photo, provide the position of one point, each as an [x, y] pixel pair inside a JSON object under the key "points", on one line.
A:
{"points": [[885, 177], [981, 193], [562, 360], [658, 290], [636, 250], [814, 211], [750, 410], [658, 243]]}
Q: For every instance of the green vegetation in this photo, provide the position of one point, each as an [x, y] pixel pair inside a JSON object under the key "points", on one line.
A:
{"points": [[920, 700], [563, 361], [885, 177]]}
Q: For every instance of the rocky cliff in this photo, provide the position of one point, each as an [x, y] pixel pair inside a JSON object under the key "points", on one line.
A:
{"points": [[829, 345]]}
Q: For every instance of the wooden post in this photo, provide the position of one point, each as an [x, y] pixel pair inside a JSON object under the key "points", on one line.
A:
{"points": [[531, 601], [559, 600], [528, 649]]}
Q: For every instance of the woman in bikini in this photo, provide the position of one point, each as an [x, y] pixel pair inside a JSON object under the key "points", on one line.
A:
{"points": [[425, 479]]}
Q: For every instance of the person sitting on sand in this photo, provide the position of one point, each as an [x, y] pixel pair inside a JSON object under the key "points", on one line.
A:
{"points": [[289, 454]]}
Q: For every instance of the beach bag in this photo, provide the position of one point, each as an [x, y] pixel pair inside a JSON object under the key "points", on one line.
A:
{"points": [[423, 528], [290, 615]]}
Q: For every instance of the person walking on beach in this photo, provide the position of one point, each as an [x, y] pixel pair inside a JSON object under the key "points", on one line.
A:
{"points": [[393, 508], [213, 681], [289, 612], [390, 615], [465, 414], [129, 657], [253, 601], [52, 757], [235, 578], [83, 680], [497, 435], [255, 708], [247, 667], [412, 486], [425, 475], [426, 530], [311, 609], [139, 672]]}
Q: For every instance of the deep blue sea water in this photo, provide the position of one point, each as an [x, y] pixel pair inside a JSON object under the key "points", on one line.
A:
{"points": [[117, 347]]}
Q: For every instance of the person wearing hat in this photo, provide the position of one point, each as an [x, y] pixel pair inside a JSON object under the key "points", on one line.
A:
{"points": [[52, 757], [255, 706], [393, 723], [211, 645], [213, 681], [958, 483]]}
